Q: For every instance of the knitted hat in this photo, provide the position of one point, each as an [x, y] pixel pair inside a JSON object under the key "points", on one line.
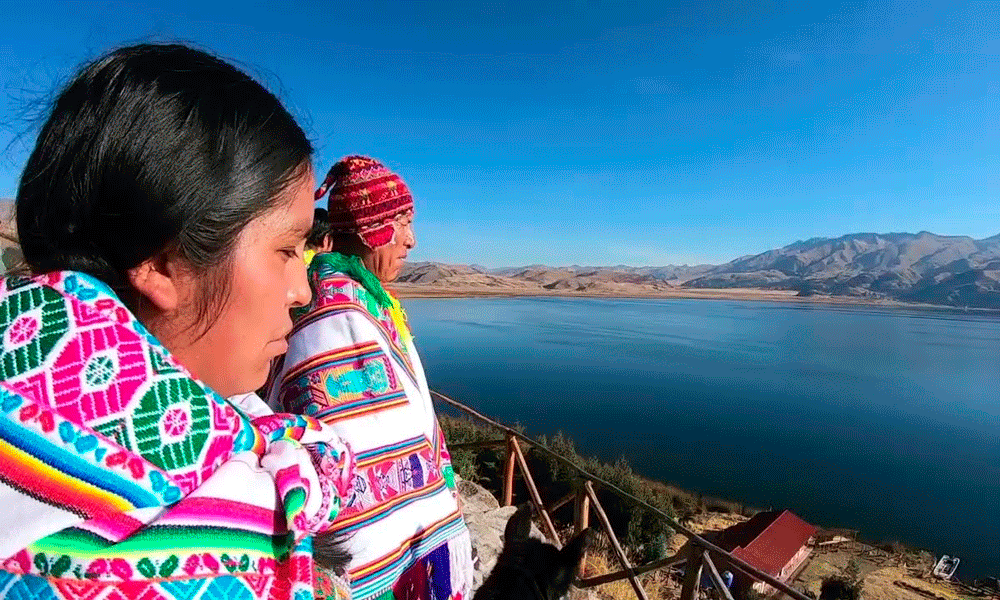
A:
{"points": [[364, 199]]}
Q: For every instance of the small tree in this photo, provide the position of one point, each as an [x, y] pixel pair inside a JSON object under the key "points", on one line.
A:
{"points": [[655, 546]]}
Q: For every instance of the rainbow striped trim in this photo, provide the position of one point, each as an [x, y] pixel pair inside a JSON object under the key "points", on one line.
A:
{"points": [[307, 385], [397, 352], [414, 451], [373, 579]]}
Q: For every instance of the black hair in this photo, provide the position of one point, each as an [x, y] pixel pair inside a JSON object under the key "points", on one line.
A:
{"points": [[320, 228], [155, 150]]}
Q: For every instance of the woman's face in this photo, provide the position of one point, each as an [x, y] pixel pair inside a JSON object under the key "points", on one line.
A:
{"points": [[268, 278], [386, 262]]}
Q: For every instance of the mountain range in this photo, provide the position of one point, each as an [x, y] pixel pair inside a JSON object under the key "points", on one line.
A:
{"points": [[910, 267], [921, 267]]}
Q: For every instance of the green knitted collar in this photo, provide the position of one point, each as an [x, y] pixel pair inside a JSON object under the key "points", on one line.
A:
{"points": [[352, 265]]}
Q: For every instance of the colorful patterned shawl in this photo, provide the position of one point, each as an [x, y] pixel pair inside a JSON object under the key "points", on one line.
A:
{"points": [[352, 364], [121, 476]]}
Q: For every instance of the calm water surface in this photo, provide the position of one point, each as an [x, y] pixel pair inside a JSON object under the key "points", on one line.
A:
{"points": [[887, 421]]}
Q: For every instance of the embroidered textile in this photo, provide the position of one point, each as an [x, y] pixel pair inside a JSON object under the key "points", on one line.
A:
{"points": [[124, 477], [351, 365]]}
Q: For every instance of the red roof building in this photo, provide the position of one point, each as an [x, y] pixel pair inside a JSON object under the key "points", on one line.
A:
{"points": [[775, 542]]}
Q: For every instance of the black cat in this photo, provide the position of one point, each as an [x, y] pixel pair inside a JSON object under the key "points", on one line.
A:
{"points": [[330, 553], [528, 569]]}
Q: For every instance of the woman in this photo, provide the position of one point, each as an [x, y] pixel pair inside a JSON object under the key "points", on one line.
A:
{"points": [[318, 241], [162, 216], [351, 363]]}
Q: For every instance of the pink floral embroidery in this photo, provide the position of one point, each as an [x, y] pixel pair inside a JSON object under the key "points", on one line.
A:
{"points": [[23, 330], [176, 422]]}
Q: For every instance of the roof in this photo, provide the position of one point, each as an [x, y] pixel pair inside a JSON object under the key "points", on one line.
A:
{"points": [[780, 537]]}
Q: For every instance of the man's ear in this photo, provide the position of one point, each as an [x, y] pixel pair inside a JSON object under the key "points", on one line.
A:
{"points": [[327, 245], [157, 280]]}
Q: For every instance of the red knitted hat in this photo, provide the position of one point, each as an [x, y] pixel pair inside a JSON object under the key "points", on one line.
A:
{"points": [[364, 199]]}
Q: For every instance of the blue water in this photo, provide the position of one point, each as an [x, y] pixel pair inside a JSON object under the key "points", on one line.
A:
{"points": [[887, 421]]}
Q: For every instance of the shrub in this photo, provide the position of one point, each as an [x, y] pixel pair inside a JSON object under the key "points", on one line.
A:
{"points": [[641, 533], [839, 588], [480, 465]]}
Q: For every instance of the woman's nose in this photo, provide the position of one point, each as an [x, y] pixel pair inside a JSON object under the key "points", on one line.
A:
{"points": [[299, 292]]}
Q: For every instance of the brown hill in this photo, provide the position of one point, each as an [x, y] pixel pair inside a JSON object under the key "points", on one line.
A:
{"points": [[454, 277], [921, 267]]}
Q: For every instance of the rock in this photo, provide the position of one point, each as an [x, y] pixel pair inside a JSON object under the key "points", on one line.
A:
{"points": [[475, 497]]}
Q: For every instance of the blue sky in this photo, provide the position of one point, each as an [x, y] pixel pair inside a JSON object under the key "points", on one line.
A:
{"points": [[600, 133]]}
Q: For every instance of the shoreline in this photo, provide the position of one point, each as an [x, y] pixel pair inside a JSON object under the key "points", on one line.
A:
{"points": [[408, 291], [883, 567]]}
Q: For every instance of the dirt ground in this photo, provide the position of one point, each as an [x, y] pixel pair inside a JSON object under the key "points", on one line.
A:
{"points": [[711, 521], [884, 576], [884, 584]]}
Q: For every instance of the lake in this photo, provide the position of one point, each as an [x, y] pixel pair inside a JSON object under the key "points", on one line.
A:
{"points": [[883, 420]]}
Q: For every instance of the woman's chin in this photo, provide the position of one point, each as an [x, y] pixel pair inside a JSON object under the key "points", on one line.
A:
{"points": [[253, 382]]}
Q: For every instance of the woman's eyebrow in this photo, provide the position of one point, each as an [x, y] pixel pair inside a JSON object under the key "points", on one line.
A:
{"points": [[300, 227]]}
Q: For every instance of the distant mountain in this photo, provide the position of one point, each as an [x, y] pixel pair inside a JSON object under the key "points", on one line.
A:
{"points": [[621, 272], [10, 251], [603, 280], [426, 272], [924, 267], [539, 277], [921, 267], [452, 276], [976, 288]]}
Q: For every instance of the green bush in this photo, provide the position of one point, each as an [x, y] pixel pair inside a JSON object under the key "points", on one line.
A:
{"points": [[479, 465], [642, 533]]}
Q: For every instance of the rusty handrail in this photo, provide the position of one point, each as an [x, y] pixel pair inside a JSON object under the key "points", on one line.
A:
{"points": [[713, 574], [536, 496], [663, 563], [699, 544], [603, 517]]}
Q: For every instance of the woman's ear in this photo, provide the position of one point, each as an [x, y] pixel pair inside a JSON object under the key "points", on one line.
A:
{"points": [[158, 281]]}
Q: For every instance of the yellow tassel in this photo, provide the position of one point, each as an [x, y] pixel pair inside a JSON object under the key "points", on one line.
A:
{"points": [[399, 319]]}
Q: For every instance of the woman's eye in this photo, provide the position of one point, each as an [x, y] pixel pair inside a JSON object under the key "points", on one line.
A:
{"points": [[290, 252]]}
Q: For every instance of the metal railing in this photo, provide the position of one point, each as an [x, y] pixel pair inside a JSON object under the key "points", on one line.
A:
{"points": [[701, 556]]}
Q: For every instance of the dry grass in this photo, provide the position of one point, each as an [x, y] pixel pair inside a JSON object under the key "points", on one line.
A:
{"points": [[881, 585], [598, 564], [702, 523], [657, 584]]}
